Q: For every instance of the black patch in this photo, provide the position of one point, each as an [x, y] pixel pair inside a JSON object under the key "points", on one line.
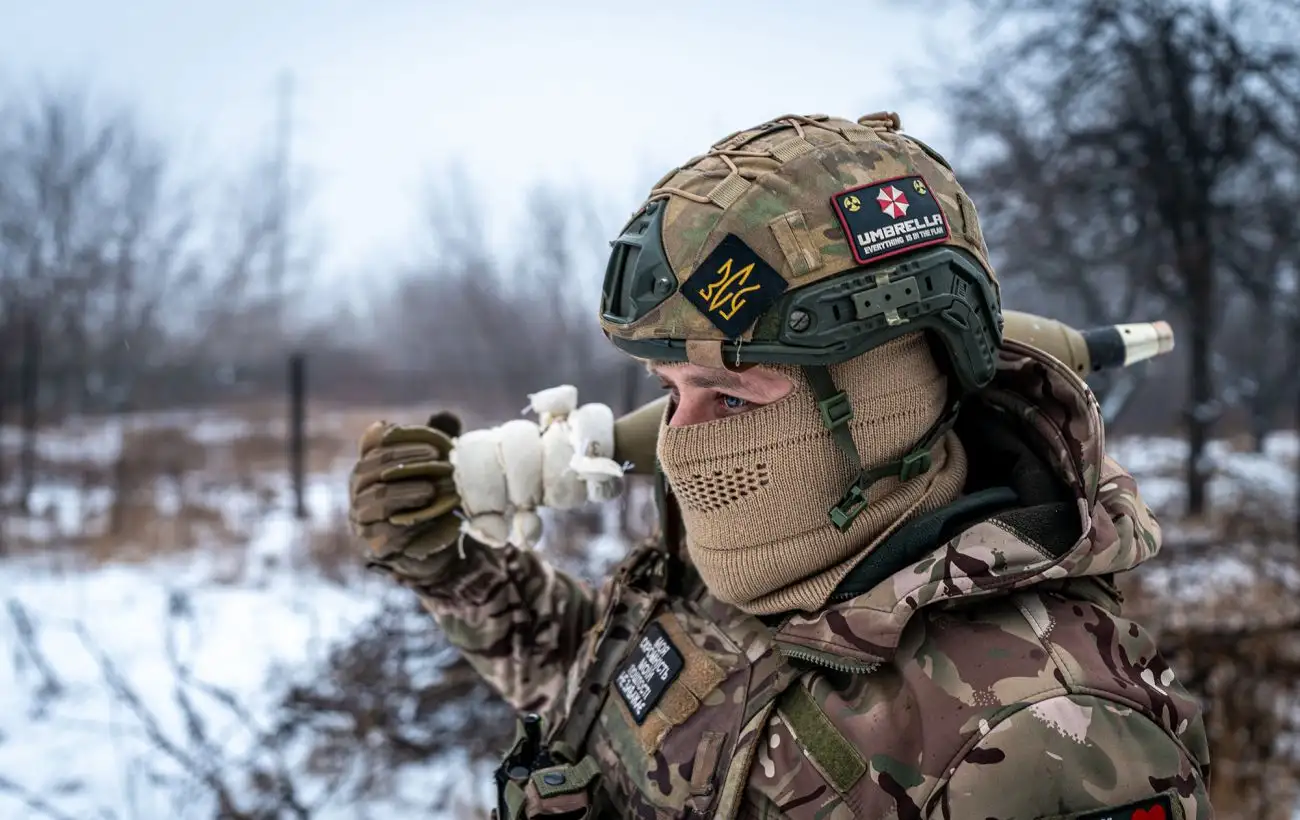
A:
{"points": [[733, 286], [890, 217], [644, 676], [1153, 808]]}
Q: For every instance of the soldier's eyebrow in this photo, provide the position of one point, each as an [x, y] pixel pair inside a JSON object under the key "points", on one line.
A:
{"points": [[716, 380]]}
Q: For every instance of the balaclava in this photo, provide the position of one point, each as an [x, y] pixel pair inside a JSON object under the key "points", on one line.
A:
{"points": [[754, 488]]}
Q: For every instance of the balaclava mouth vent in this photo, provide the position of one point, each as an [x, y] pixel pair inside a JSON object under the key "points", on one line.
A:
{"points": [[754, 488], [709, 492]]}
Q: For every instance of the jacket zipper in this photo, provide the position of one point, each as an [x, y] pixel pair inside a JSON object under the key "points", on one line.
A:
{"points": [[817, 658], [848, 667]]}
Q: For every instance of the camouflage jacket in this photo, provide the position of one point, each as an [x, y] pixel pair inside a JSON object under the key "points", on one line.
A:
{"points": [[981, 672]]}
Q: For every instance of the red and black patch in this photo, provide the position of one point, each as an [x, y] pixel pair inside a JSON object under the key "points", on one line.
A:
{"points": [[1152, 808], [890, 217], [733, 286], [644, 676]]}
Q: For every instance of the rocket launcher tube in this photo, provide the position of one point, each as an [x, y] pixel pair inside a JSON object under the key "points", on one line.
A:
{"points": [[1094, 349], [1123, 345], [1083, 351]]}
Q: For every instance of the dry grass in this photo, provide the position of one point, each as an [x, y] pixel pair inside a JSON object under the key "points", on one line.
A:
{"points": [[141, 532], [161, 451], [331, 550], [265, 451], [169, 487], [166, 486], [1236, 645]]}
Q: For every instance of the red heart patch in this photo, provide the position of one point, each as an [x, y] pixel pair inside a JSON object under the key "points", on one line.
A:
{"points": [[1154, 813]]}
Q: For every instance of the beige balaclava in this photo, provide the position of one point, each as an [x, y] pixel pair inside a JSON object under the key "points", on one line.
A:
{"points": [[754, 488]]}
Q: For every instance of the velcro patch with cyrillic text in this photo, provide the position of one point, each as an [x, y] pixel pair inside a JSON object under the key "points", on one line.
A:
{"points": [[643, 677]]}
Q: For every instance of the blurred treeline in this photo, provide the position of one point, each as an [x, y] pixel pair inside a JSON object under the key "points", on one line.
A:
{"points": [[1131, 159]]}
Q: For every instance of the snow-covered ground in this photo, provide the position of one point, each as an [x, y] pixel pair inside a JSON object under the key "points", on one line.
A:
{"points": [[1262, 483], [90, 656], [68, 738], [249, 620]]}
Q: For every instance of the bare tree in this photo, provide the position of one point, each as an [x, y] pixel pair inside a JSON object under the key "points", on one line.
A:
{"points": [[487, 329], [1260, 254], [94, 243], [239, 316], [1164, 103], [1052, 231]]}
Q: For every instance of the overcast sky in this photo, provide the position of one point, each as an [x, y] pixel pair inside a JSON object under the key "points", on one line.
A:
{"points": [[387, 92]]}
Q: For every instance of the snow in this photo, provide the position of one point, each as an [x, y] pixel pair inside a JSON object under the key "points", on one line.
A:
{"points": [[85, 746], [1160, 464], [84, 743], [240, 620]]}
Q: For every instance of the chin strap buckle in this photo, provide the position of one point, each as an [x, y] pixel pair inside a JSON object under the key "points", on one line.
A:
{"points": [[914, 464], [836, 411], [849, 507]]}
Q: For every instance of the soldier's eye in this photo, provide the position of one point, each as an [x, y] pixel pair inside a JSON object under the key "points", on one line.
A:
{"points": [[733, 403]]}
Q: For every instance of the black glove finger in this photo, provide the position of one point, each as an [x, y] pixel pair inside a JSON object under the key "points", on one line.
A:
{"points": [[447, 422]]}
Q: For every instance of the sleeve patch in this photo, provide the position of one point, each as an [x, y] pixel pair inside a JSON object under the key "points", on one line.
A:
{"points": [[1160, 807]]}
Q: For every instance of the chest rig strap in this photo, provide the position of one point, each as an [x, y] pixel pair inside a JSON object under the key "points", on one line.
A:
{"points": [[639, 589], [553, 778]]}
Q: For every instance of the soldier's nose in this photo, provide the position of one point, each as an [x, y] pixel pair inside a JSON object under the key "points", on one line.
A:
{"points": [[689, 410]]}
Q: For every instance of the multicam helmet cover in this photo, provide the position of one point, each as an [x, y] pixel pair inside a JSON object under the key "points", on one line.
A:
{"points": [[805, 240], [809, 240]]}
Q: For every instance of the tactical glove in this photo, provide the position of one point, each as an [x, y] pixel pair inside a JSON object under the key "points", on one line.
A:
{"points": [[402, 494]]}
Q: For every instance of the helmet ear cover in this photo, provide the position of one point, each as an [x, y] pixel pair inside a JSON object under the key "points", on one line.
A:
{"points": [[943, 290]]}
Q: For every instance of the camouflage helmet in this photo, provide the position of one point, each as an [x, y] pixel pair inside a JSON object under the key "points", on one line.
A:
{"points": [[809, 240], [805, 240]]}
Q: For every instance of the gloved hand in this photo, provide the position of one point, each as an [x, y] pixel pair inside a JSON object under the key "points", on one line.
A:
{"points": [[402, 494], [414, 489]]}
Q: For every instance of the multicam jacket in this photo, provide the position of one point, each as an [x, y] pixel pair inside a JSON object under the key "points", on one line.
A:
{"points": [[980, 669]]}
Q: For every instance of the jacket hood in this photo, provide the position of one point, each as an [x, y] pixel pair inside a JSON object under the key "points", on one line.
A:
{"points": [[1102, 527]]}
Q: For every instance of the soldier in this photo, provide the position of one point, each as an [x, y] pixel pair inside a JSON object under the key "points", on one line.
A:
{"points": [[884, 583]]}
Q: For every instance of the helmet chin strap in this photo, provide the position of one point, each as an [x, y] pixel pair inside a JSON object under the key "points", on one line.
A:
{"points": [[836, 413]]}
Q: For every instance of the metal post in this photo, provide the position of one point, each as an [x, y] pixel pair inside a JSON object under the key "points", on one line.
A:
{"points": [[29, 379], [298, 430]]}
